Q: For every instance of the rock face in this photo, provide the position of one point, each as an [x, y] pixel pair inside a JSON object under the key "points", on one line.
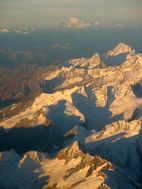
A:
{"points": [[70, 169], [120, 143], [92, 115], [75, 169], [119, 49]]}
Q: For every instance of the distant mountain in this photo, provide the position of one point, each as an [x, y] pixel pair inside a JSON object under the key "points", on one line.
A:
{"points": [[121, 48], [85, 119], [15, 58]]}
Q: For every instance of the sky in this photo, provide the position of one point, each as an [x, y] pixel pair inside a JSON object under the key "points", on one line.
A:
{"points": [[50, 13]]}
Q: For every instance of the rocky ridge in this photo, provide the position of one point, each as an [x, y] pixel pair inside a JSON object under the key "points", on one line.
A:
{"points": [[72, 168]]}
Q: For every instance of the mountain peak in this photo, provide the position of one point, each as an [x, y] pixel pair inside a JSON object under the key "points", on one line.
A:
{"points": [[90, 63], [95, 62], [121, 48], [69, 153]]}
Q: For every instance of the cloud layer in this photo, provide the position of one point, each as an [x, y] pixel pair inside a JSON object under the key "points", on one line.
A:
{"points": [[77, 23], [49, 13]]}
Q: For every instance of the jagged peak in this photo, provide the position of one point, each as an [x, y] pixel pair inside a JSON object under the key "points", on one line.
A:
{"points": [[74, 152], [36, 156], [96, 62], [90, 63], [71, 152], [33, 155], [120, 48], [95, 56]]}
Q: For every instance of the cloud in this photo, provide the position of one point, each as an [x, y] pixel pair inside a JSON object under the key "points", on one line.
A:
{"points": [[77, 23], [23, 31], [66, 46]]}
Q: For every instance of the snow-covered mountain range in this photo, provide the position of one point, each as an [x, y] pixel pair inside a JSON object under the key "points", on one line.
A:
{"points": [[91, 116]]}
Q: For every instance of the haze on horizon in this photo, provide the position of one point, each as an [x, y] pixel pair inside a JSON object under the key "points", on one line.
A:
{"points": [[50, 13]]}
